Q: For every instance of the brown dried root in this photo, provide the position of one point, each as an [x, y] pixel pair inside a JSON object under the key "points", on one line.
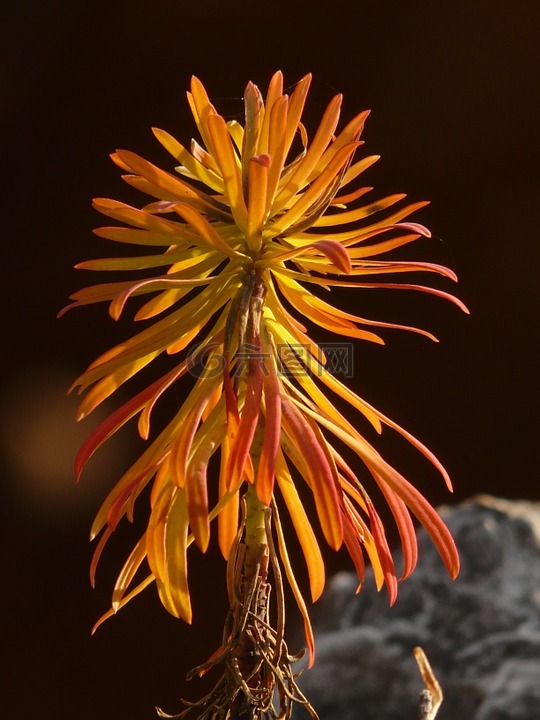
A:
{"points": [[257, 681]]}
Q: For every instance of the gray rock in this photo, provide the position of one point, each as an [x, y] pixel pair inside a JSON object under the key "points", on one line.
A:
{"points": [[481, 632]]}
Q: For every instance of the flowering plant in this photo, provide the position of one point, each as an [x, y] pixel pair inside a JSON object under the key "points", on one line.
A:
{"points": [[243, 233]]}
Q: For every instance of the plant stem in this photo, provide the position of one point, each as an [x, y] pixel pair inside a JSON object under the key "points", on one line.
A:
{"points": [[255, 534]]}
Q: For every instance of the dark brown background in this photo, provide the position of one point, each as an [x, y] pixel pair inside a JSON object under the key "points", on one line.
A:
{"points": [[454, 91]]}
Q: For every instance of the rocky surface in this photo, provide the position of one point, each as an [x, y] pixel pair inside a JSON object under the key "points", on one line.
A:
{"points": [[481, 633]]}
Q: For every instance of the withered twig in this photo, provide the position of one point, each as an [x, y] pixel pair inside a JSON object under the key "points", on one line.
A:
{"points": [[431, 697]]}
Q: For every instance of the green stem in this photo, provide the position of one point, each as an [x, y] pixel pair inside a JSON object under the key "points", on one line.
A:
{"points": [[255, 533], [255, 538]]}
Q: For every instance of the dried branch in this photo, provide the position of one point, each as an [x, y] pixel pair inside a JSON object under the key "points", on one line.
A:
{"points": [[431, 697]]}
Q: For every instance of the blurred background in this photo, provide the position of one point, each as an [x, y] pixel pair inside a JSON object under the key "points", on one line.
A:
{"points": [[453, 89]]}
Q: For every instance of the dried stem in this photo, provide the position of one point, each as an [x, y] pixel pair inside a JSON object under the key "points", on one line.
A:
{"points": [[431, 697]]}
